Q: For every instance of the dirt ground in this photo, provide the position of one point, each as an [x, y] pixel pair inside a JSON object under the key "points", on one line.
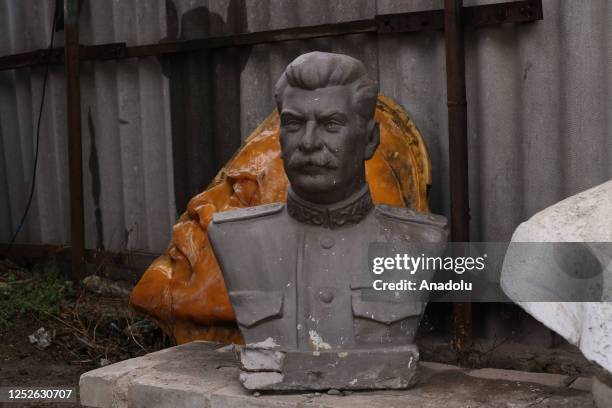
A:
{"points": [[23, 365], [76, 347], [88, 330]]}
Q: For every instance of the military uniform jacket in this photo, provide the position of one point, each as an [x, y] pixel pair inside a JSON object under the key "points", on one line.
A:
{"points": [[299, 273]]}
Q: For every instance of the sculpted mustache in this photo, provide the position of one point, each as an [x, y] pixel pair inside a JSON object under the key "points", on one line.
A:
{"points": [[299, 160]]}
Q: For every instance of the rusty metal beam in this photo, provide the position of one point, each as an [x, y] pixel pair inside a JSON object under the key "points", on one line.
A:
{"points": [[117, 265], [32, 58], [458, 153], [474, 17], [262, 37], [35, 251], [75, 148]]}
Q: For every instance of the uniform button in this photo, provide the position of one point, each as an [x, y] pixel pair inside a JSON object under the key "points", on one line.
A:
{"points": [[327, 242], [326, 295]]}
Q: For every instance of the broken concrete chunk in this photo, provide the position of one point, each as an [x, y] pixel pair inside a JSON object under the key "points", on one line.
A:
{"points": [[267, 344], [42, 338], [260, 380], [253, 359]]}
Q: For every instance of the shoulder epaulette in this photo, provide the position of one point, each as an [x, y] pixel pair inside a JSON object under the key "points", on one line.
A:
{"points": [[409, 215], [247, 213]]}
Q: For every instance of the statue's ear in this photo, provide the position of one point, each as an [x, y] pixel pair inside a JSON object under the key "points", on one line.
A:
{"points": [[373, 135]]}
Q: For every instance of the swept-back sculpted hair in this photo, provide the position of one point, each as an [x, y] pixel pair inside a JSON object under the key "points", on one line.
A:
{"points": [[322, 69]]}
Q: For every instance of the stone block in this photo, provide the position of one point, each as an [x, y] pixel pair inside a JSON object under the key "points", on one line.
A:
{"points": [[110, 386], [390, 368], [107, 386]]}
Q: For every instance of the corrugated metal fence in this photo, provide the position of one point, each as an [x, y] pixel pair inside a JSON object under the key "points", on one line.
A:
{"points": [[155, 131]]}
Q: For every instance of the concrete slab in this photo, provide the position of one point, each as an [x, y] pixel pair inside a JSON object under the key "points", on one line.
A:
{"points": [[602, 391], [202, 374], [550, 380], [439, 366], [236, 396], [582, 384]]}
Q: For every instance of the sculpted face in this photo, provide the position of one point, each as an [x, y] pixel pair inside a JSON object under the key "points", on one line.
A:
{"points": [[324, 143]]}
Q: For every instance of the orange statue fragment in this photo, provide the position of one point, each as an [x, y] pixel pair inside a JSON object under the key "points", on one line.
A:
{"points": [[183, 290]]}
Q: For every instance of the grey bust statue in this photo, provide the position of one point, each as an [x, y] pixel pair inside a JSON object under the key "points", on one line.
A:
{"points": [[297, 273]]}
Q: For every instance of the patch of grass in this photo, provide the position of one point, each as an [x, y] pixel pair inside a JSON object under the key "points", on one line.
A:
{"points": [[40, 293]]}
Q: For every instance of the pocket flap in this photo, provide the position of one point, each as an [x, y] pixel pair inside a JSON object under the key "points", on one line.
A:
{"points": [[254, 306], [384, 310]]}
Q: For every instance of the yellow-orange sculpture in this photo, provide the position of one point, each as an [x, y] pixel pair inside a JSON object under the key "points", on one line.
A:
{"points": [[183, 290]]}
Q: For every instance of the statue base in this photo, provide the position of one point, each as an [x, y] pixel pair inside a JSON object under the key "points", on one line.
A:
{"points": [[204, 374], [269, 368]]}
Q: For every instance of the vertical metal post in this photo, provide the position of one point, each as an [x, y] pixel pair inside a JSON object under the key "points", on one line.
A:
{"points": [[458, 152], [75, 148]]}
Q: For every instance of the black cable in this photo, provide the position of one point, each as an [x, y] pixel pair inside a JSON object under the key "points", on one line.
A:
{"points": [[40, 112]]}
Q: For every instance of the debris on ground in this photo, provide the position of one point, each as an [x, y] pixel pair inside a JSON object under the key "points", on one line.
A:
{"points": [[89, 327], [106, 287], [42, 338]]}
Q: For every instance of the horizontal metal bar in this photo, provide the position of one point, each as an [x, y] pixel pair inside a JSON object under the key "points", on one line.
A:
{"points": [[121, 50], [55, 56], [475, 16], [262, 37], [128, 265], [32, 58], [103, 52], [503, 13], [34, 251]]}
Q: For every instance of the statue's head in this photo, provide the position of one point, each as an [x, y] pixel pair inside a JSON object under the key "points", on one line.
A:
{"points": [[326, 103]]}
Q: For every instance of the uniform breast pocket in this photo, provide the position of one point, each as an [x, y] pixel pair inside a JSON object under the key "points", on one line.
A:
{"points": [[253, 307], [383, 318]]}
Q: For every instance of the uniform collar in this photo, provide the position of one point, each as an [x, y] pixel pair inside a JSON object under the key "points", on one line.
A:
{"points": [[350, 210]]}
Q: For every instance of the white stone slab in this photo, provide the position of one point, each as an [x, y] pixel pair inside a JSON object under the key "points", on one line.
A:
{"points": [[585, 217]]}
